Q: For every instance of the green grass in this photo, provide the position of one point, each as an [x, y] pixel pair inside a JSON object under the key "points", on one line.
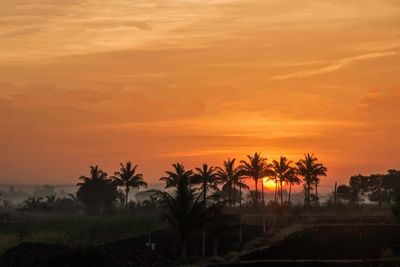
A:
{"points": [[76, 231]]}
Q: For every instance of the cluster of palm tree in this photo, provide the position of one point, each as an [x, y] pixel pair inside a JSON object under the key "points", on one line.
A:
{"points": [[229, 179], [190, 206], [311, 171], [187, 207], [98, 192]]}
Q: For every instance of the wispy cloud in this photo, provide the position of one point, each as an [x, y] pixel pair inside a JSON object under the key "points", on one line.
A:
{"points": [[336, 65]]}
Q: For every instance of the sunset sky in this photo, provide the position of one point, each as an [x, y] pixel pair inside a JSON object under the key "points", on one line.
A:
{"points": [[86, 82]]}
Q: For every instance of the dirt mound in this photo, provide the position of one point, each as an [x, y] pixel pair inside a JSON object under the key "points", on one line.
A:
{"points": [[33, 254], [42, 255]]}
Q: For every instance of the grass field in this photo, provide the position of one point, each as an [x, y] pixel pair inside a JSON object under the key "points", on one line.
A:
{"points": [[75, 230]]}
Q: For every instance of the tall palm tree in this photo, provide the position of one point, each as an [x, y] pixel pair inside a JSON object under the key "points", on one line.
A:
{"points": [[184, 208], [231, 177], [256, 168], [206, 177], [282, 171], [310, 170], [172, 178], [96, 191], [127, 177]]}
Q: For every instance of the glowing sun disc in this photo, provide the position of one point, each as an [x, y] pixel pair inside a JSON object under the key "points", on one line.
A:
{"points": [[269, 184]]}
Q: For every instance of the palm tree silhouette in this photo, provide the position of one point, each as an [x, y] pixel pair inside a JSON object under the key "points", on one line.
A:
{"points": [[231, 177], [282, 172], [206, 176], [310, 170], [127, 178], [184, 208], [97, 191], [172, 178], [256, 168]]}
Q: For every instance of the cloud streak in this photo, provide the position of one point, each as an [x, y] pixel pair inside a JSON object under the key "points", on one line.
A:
{"points": [[336, 65]]}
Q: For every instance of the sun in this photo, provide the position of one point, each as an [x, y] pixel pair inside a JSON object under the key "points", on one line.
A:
{"points": [[268, 184]]}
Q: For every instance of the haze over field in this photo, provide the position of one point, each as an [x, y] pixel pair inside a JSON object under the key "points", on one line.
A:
{"points": [[155, 82]]}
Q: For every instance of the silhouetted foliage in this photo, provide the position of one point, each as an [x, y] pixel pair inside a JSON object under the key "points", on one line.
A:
{"points": [[231, 177], [310, 170], [127, 178], [253, 197], [172, 178], [343, 192], [185, 209], [283, 172], [206, 177], [375, 187], [97, 192], [256, 168]]}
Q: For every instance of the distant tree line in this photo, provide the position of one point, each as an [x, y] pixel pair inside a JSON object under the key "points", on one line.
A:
{"points": [[379, 188]]}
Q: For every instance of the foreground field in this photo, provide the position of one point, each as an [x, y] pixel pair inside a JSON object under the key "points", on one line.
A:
{"points": [[74, 230], [363, 237]]}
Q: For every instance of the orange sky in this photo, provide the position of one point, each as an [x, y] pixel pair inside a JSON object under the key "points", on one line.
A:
{"points": [[157, 81]]}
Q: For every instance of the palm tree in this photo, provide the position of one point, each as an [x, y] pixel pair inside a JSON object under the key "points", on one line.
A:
{"points": [[310, 170], [256, 168], [97, 191], [231, 177], [127, 178], [292, 180], [172, 178], [282, 172], [206, 176], [184, 208]]}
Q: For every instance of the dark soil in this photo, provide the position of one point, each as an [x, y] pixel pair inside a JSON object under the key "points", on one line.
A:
{"points": [[41, 255], [370, 263], [336, 242]]}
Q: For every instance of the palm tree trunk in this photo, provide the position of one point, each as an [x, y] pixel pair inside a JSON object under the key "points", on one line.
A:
{"points": [[183, 249], [205, 194], [240, 194], [233, 194], [203, 243], [256, 197], [276, 189], [316, 193], [215, 248], [230, 196], [281, 192], [240, 232], [290, 192], [262, 192], [308, 193], [126, 198]]}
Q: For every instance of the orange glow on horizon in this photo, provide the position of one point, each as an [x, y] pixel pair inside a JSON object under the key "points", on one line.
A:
{"points": [[270, 184]]}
